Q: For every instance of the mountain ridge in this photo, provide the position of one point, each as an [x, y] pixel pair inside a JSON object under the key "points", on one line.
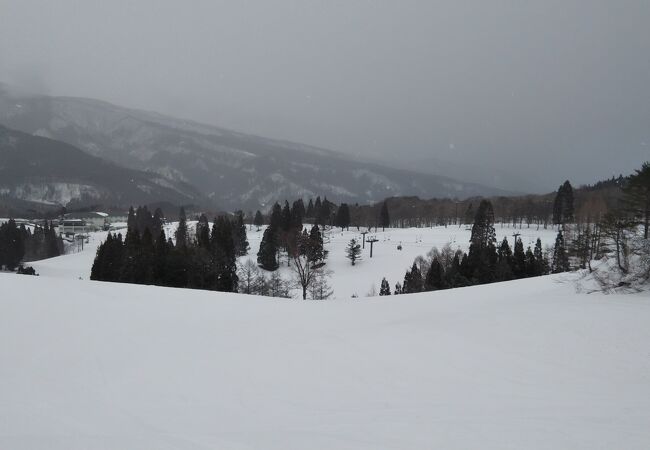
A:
{"points": [[233, 169]]}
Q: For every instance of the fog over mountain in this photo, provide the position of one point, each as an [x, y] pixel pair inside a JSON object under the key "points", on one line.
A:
{"points": [[232, 170], [530, 93]]}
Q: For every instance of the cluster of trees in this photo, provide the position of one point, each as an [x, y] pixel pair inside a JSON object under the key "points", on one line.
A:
{"points": [[19, 244], [620, 235], [591, 204], [486, 262], [205, 261], [324, 213], [304, 250], [285, 235], [618, 232]]}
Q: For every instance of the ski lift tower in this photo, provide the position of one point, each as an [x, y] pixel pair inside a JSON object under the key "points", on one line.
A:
{"points": [[371, 241], [363, 233]]}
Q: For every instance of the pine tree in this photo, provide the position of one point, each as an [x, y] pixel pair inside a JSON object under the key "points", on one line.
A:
{"points": [[286, 217], [413, 281], [482, 257], [310, 209], [560, 258], [519, 260], [12, 245], [275, 221], [343, 216], [239, 235], [203, 232], [530, 263], [161, 255], [384, 217], [385, 287], [158, 221], [267, 254], [398, 289], [181, 234], [541, 263], [224, 259], [258, 221], [297, 214], [435, 278], [353, 251], [130, 222], [316, 250], [636, 197], [132, 270], [563, 204]]}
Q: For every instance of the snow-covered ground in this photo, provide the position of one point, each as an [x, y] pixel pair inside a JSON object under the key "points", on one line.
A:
{"points": [[346, 280], [523, 364], [527, 364]]}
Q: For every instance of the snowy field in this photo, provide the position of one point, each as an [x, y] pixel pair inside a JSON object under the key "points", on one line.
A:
{"points": [[346, 280], [527, 364]]}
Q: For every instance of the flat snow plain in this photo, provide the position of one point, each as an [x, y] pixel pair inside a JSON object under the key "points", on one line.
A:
{"points": [[528, 364]]}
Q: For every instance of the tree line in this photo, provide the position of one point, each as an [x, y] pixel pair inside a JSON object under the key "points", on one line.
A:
{"points": [[486, 262], [206, 260], [18, 244]]}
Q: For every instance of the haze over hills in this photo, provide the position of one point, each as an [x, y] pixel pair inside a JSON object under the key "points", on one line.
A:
{"points": [[234, 170], [37, 170]]}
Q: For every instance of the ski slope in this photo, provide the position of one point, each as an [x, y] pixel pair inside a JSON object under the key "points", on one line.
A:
{"points": [[346, 280], [527, 364]]}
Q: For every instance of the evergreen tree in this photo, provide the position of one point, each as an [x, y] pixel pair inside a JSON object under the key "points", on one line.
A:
{"points": [[560, 258], [267, 254], [146, 257], [316, 249], [504, 253], [158, 221], [384, 217], [343, 216], [160, 259], [563, 204], [203, 232], [130, 221], [353, 251], [224, 260], [275, 221], [413, 281], [258, 221], [482, 257], [531, 268], [636, 197], [435, 278], [132, 270], [310, 209], [541, 263], [324, 212], [286, 217], [398, 289], [519, 260], [181, 235], [385, 287], [318, 205], [297, 214], [454, 276], [12, 245], [239, 235]]}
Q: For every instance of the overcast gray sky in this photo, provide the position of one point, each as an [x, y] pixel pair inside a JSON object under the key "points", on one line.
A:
{"points": [[558, 89]]}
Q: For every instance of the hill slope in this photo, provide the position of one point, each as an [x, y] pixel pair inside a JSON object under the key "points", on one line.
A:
{"points": [[236, 169], [526, 364], [41, 170]]}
